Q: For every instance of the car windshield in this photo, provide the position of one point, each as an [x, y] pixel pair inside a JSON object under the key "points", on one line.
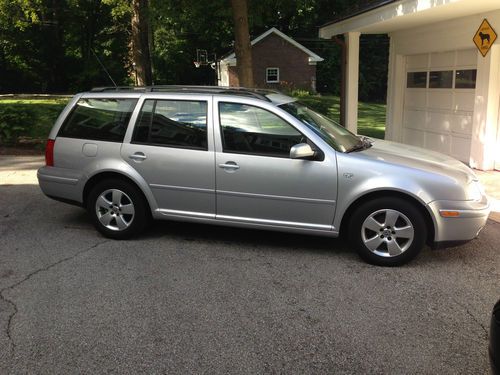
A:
{"points": [[332, 133]]}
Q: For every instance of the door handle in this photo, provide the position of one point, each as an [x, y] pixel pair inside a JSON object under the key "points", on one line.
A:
{"points": [[229, 165], [138, 156]]}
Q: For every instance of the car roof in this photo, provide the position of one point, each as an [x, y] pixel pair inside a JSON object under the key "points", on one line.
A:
{"points": [[272, 96]]}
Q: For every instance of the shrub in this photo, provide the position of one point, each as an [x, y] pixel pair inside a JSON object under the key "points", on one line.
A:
{"points": [[14, 122]]}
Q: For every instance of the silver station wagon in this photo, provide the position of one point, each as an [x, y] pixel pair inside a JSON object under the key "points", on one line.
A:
{"points": [[253, 159]]}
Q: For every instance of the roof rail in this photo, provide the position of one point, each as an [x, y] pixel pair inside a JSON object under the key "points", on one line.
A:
{"points": [[243, 91]]}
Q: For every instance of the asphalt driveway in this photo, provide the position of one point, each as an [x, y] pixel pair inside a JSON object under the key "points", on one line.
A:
{"points": [[188, 298]]}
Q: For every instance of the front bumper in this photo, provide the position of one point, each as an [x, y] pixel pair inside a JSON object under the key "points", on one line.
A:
{"points": [[472, 217]]}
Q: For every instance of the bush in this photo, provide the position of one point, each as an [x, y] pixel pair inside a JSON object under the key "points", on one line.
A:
{"points": [[14, 122]]}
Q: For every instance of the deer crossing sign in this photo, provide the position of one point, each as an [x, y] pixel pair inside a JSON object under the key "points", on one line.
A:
{"points": [[485, 37]]}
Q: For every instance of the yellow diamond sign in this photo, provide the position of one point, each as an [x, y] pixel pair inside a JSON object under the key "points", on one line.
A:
{"points": [[485, 37]]}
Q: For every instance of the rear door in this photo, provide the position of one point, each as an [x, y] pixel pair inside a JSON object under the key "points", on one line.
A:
{"points": [[257, 182], [172, 148]]}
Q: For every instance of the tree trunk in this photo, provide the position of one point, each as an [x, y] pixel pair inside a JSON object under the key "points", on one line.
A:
{"points": [[140, 43], [242, 47]]}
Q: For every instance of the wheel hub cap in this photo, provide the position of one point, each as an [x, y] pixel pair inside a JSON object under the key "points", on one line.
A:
{"points": [[387, 233], [115, 210]]}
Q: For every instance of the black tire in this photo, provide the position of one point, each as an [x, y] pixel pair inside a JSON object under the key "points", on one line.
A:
{"points": [[380, 243], [122, 223]]}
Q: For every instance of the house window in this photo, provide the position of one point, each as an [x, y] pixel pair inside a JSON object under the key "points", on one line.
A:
{"points": [[272, 75]]}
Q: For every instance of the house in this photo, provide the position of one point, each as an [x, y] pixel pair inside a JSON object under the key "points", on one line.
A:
{"points": [[443, 76], [278, 62]]}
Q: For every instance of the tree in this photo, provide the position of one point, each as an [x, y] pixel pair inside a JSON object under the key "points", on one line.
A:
{"points": [[141, 57], [242, 47]]}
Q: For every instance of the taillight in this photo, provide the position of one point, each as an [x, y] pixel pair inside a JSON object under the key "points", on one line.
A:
{"points": [[49, 152]]}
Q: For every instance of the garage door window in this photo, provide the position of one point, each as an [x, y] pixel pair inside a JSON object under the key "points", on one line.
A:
{"points": [[416, 80], [441, 79], [465, 79]]}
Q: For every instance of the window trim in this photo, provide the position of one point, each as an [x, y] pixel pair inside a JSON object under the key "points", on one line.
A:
{"points": [[149, 143], [277, 74]]}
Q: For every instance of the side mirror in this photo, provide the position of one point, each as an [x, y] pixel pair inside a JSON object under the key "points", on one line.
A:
{"points": [[302, 151]]}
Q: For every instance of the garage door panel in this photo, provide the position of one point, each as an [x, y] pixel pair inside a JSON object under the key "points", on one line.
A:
{"points": [[417, 61], [464, 101], [467, 58], [415, 119], [442, 59], [413, 137], [440, 99], [462, 124], [415, 98], [460, 148], [439, 122], [438, 142]]}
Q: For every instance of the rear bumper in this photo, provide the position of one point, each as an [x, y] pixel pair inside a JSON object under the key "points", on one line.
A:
{"points": [[61, 184], [472, 218]]}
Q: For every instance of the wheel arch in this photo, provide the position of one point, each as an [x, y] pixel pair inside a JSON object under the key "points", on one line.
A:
{"points": [[429, 222], [106, 175]]}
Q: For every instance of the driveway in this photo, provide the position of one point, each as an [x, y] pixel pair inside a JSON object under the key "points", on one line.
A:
{"points": [[188, 298]]}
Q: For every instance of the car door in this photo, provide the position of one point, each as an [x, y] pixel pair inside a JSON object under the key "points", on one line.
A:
{"points": [[172, 149], [257, 181]]}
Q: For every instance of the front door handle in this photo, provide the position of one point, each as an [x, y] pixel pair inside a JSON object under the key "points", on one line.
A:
{"points": [[231, 165], [138, 156]]}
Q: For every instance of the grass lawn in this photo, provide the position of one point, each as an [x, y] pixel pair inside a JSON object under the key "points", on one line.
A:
{"points": [[33, 118], [371, 116]]}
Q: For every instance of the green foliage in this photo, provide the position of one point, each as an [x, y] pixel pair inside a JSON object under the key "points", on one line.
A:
{"points": [[28, 118], [51, 45]]}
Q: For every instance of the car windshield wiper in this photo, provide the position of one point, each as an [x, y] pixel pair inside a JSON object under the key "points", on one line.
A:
{"points": [[363, 144]]}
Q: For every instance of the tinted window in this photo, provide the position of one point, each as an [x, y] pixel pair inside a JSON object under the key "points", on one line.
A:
{"points": [[99, 119], [465, 79], [251, 130], [176, 123], [441, 79], [416, 80]]}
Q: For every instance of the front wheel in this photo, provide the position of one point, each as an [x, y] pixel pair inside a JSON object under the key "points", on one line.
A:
{"points": [[387, 231], [117, 208]]}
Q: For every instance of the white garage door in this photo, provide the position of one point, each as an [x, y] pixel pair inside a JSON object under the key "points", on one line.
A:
{"points": [[439, 101]]}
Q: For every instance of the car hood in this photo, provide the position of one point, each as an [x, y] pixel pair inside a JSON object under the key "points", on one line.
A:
{"points": [[419, 158]]}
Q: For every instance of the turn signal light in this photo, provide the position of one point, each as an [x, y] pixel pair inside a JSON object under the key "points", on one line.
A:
{"points": [[449, 213]]}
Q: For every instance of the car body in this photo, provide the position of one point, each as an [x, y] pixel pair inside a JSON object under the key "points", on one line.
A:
{"points": [[254, 159]]}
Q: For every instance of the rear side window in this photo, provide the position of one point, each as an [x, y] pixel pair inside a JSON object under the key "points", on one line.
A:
{"points": [[174, 123], [99, 119]]}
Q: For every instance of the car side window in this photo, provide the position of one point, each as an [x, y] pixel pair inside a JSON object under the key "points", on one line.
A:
{"points": [[252, 130], [173, 123], [98, 119]]}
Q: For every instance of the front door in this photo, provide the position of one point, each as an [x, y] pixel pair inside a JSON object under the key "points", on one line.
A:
{"points": [[172, 149], [257, 182]]}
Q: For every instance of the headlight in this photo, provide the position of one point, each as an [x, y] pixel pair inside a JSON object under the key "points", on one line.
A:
{"points": [[475, 191]]}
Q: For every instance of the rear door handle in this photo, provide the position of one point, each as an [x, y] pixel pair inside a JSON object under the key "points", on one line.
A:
{"points": [[229, 165], [138, 156]]}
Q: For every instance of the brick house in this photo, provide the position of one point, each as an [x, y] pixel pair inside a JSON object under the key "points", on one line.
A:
{"points": [[279, 62]]}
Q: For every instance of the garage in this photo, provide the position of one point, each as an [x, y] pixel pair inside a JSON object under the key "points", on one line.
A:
{"points": [[443, 84], [439, 101]]}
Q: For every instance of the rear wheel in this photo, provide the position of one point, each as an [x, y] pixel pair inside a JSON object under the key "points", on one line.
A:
{"points": [[117, 208], [387, 231]]}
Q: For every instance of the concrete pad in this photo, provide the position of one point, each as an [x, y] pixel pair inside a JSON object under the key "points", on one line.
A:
{"points": [[20, 170]]}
